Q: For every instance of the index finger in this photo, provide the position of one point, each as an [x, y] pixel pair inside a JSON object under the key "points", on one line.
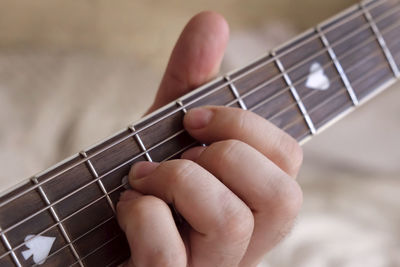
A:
{"points": [[212, 124]]}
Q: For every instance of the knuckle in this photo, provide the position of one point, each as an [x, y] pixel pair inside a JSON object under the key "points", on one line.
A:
{"points": [[226, 148], [236, 225], [178, 170], [289, 200]]}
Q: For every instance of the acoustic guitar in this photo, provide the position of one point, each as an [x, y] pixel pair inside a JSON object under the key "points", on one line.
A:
{"points": [[65, 216]]}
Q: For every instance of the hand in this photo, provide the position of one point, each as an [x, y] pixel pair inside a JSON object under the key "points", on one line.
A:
{"points": [[238, 196]]}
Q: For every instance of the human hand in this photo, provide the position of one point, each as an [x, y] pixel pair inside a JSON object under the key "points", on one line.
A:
{"points": [[238, 196]]}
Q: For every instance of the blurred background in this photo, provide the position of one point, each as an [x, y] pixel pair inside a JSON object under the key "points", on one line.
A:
{"points": [[74, 72]]}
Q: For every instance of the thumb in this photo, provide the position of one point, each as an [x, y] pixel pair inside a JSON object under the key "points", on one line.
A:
{"points": [[196, 57]]}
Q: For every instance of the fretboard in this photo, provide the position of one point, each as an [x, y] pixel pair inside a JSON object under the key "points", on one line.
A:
{"points": [[301, 87]]}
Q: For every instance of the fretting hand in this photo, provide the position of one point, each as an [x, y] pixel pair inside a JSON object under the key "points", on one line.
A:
{"points": [[238, 196]]}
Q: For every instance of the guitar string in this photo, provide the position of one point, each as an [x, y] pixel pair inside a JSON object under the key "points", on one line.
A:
{"points": [[376, 69], [94, 201], [97, 226], [304, 78], [100, 178], [118, 235], [176, 134], [317, 107], [253, 108], [381, 66], [306, 41], [313, 92], [122, 185]]}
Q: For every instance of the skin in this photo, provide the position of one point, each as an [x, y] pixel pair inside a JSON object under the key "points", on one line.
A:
{"points": [[238, 196]]}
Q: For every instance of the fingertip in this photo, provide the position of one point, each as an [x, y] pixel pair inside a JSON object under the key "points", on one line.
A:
{"points": [[196, 57], [198, 118], [142, 169]]}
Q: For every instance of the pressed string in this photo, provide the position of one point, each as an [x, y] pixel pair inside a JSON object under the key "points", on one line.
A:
{"points": [[328, 29], [134, 158], [150, 149], [89, 204], [285, 127]]}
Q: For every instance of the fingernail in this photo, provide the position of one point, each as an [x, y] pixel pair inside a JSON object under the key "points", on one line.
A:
{"points": [[198, 118], [142, 169]]}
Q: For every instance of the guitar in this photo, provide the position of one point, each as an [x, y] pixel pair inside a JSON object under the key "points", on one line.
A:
{"points": [[66, 214]]}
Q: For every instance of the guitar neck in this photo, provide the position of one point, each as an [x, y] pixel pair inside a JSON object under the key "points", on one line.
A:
{"points": [[301, 87]]}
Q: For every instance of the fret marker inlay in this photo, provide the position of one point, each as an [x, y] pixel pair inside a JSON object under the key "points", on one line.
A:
{"points": [[295, 94], [39, 247], [317, 78]]}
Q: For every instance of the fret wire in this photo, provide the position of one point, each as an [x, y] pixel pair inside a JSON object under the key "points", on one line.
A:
{"points": [[99, 182], [390, 28], [91, 182], [180, 104], [80, 237], [68, 217], [235, 92], [85, 207], [326, 65], [299, 64], [381, 41], [312, 110], [140, 142], [332, 27], [10, 250], [57, 219], [284, 127], [377, 68], [98, 248], [339, 68], [296, 97], [311, 93]]}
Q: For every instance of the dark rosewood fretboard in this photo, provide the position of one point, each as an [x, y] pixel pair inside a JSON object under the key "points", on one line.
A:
{"points": [[301, 87]]}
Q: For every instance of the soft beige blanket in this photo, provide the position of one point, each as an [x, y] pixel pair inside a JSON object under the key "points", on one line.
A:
{"points": [[54, 102]]}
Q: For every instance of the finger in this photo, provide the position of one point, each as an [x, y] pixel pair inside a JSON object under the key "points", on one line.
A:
{"points": [[272, 195], [150, 229], [222, 224], [211, 124], [196, 57]]}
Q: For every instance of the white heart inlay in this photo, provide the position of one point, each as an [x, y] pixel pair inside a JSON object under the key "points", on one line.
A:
{"points": [[317, 78]]}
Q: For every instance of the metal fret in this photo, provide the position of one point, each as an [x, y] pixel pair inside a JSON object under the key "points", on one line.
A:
{"points": [[10, 249], [235, 92], [381, 41], [99, 182], [55, 216], [180, 104], [295, 95], [140, 142], [339, 67]]}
